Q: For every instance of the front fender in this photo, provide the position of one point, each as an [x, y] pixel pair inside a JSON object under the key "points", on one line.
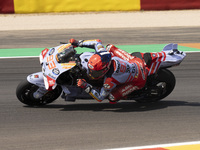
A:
{"points": [[36, 78]]}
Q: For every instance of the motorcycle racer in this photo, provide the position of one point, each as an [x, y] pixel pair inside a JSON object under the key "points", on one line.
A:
{"points": [[122, 73], [113, 74]]}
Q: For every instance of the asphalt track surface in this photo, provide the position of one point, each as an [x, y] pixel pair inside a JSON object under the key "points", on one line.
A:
{"points": [[90, 125]]}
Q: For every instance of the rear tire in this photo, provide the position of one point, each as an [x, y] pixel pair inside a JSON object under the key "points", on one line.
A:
{"points": [[166, 79], [25, 90]]}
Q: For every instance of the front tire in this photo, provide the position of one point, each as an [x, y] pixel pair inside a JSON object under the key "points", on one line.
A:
{"points": [[25, 90]]}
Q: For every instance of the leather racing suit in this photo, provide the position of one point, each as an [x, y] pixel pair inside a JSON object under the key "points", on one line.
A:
{"points": [[126, 74]]}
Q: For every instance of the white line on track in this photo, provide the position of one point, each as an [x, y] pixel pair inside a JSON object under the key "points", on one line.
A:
{"points": [[156, 146]]}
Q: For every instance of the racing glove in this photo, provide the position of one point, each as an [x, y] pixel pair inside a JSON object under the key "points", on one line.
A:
{"points": [[83, 84], [76, 43]]}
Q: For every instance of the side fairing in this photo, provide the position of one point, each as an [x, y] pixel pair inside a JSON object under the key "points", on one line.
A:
{"points": [[36, 78], [51, 69]]}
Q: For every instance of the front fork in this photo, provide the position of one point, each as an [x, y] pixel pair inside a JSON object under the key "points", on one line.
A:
{"points": [[37, 79], [39, 93]]}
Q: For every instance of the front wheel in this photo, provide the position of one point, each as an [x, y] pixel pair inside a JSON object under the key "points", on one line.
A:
{"points": [[25, 90]]}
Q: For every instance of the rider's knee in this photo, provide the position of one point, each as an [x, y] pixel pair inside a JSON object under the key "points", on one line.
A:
{"points": [[122, 91]]}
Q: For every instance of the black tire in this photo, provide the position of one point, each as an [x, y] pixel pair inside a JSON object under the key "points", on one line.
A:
{"points": [[25, 90], [166, 77]]}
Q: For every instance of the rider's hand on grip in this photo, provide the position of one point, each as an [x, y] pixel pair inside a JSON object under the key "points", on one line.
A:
{"points": [[74, 42], [82, 83]]}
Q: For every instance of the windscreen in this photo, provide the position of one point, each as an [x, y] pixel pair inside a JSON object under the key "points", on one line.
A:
{"points": [[66, 55]]}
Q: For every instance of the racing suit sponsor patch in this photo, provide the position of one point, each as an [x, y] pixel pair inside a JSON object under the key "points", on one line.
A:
{"points": [[129, 90]]}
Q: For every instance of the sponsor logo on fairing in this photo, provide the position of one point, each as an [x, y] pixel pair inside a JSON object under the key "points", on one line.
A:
{"points": [[50, 75], [51, 51], [55, 71], [36, 76], [51, 82], [62, 47]]}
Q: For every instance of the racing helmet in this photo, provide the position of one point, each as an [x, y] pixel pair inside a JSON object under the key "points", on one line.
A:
{"points": [[99, 64]]}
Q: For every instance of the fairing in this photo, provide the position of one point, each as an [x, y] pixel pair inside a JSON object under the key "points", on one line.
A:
{"points": [[51, 68]]}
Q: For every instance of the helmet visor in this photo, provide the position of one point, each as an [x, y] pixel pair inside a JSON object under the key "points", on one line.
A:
{"points": [[97, 74]]}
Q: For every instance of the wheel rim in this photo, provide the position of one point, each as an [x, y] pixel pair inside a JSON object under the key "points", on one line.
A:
{"points": [[27, 96]]}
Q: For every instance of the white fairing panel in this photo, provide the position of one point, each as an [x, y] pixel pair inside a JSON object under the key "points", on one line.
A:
{"points": [[173, 55], [37, 79]]}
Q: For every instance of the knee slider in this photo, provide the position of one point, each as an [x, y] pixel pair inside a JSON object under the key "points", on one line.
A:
{"points": [[113, 97]]}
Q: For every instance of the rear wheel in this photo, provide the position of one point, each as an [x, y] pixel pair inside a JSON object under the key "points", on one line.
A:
{"points": [[25, 90], [159, 87]]}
